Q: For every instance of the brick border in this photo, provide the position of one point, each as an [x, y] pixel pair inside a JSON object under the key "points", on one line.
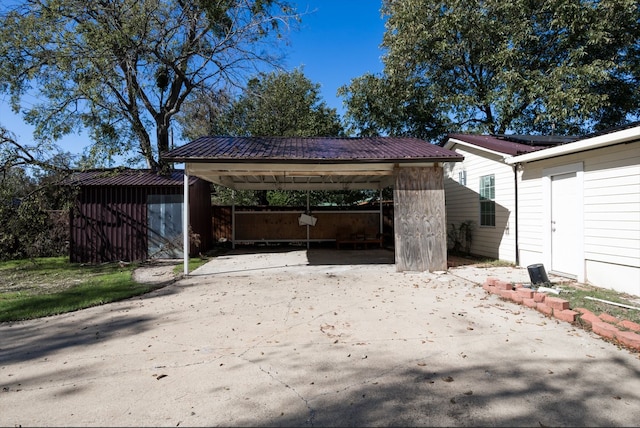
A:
{"points": [[622, 332]]}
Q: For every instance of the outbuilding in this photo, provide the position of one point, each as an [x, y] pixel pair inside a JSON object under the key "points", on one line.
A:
{"points": [[413, 167], [134, 215]]}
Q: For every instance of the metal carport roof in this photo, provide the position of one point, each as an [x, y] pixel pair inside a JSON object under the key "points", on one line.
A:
{"points": [[305, 163]]}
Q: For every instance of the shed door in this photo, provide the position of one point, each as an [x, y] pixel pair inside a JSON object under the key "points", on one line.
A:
{"points": [[164, 220], [564, 224]]}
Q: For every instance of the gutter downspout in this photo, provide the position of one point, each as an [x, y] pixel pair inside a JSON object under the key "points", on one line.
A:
{"points": [[515, 182]]}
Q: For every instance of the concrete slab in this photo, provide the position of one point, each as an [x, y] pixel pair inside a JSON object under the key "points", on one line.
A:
{"points": [[314, 338]]}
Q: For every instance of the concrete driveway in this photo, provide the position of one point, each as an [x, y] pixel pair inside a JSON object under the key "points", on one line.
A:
{"points": [[315, 338]]}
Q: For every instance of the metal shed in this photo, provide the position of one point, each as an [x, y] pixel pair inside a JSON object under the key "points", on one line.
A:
{"points": [[135, 215], [413, 167]]}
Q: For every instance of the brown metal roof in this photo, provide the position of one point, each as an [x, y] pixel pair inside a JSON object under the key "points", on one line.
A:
{"points": [[127, 177], [310, 150], [511, 144], [495, 144]]}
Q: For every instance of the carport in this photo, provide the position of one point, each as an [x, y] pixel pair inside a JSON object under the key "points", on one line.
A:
{"points": [[413, 167]]}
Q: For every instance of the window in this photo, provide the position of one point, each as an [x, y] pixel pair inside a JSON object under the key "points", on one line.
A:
{"points": [[462, 177], [487, 200]]}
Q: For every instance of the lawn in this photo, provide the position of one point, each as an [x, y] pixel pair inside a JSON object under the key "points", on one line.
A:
{"points": [[49, 286]]}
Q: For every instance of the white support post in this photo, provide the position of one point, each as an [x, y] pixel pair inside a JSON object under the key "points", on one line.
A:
{"points": [[307, 224], [381, 216], [233, 219], [185, 222]]}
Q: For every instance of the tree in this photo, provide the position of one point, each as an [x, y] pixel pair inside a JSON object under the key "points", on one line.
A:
{"points": [[33, 205], [283, 104], [377, 104], [123, 68], [540, 66]]}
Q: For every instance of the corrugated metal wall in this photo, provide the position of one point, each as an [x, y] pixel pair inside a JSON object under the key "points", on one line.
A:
{"points": [[109, 223]]}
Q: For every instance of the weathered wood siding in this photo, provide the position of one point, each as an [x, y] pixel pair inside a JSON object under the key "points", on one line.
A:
{"points": [[463, 201], [420, 219], [280, 224]]}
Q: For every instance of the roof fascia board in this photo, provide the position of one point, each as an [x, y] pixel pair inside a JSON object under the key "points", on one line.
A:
{"points": [[308, 186], [331, 162], [453, 141], [316, 169], [605, 140]]}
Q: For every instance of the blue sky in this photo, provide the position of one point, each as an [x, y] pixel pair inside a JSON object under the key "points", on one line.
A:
{"points": [[338, 40]]}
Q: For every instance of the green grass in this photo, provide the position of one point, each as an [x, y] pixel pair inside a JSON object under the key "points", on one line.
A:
{"points": [[194, 263], [577, 295], [49, 286]]}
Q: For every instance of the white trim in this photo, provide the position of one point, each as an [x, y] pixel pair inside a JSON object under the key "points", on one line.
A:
{"points": [[453, 141], [547, 174], [185, 223], [625, 135]]}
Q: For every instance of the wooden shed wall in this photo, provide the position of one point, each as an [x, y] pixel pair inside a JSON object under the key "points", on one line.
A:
{"points": [[200, 215], [109, 223], [281, 223]]}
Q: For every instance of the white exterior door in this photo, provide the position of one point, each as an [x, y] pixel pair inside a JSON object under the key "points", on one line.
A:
{"points": [[564, 225]]}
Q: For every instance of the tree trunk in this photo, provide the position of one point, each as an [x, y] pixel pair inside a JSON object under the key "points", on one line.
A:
{"points": [[162, 135]]}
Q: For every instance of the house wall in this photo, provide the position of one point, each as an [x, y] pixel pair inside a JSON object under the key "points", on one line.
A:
{"points": [[463, 201], [610, 253]]}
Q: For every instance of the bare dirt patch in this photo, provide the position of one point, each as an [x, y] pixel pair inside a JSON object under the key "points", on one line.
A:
{"points": [[157, 272]]}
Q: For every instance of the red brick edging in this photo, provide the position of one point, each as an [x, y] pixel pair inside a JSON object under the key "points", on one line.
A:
{"points": [[623, 332]]}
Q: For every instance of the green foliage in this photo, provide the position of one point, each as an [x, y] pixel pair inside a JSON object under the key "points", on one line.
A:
{"points": [[278, 104], [34, 216], [542, 66], [317, 197], [379, 105], [122, 69], [272, 104]]}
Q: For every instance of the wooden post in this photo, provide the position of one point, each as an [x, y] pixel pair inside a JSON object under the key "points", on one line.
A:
{"points": [[419, 219]]}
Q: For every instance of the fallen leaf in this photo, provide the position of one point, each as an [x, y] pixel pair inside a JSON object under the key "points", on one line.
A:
{"points": [[447, 379]]}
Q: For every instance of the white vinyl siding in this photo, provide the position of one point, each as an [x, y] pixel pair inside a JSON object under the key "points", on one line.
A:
{"points": [[611, 214], [463, 202], [530, 207], [612, 205]]}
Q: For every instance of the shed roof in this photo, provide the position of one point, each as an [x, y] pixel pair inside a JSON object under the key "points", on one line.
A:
{"points": [[311, 163], [128, 177]]}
